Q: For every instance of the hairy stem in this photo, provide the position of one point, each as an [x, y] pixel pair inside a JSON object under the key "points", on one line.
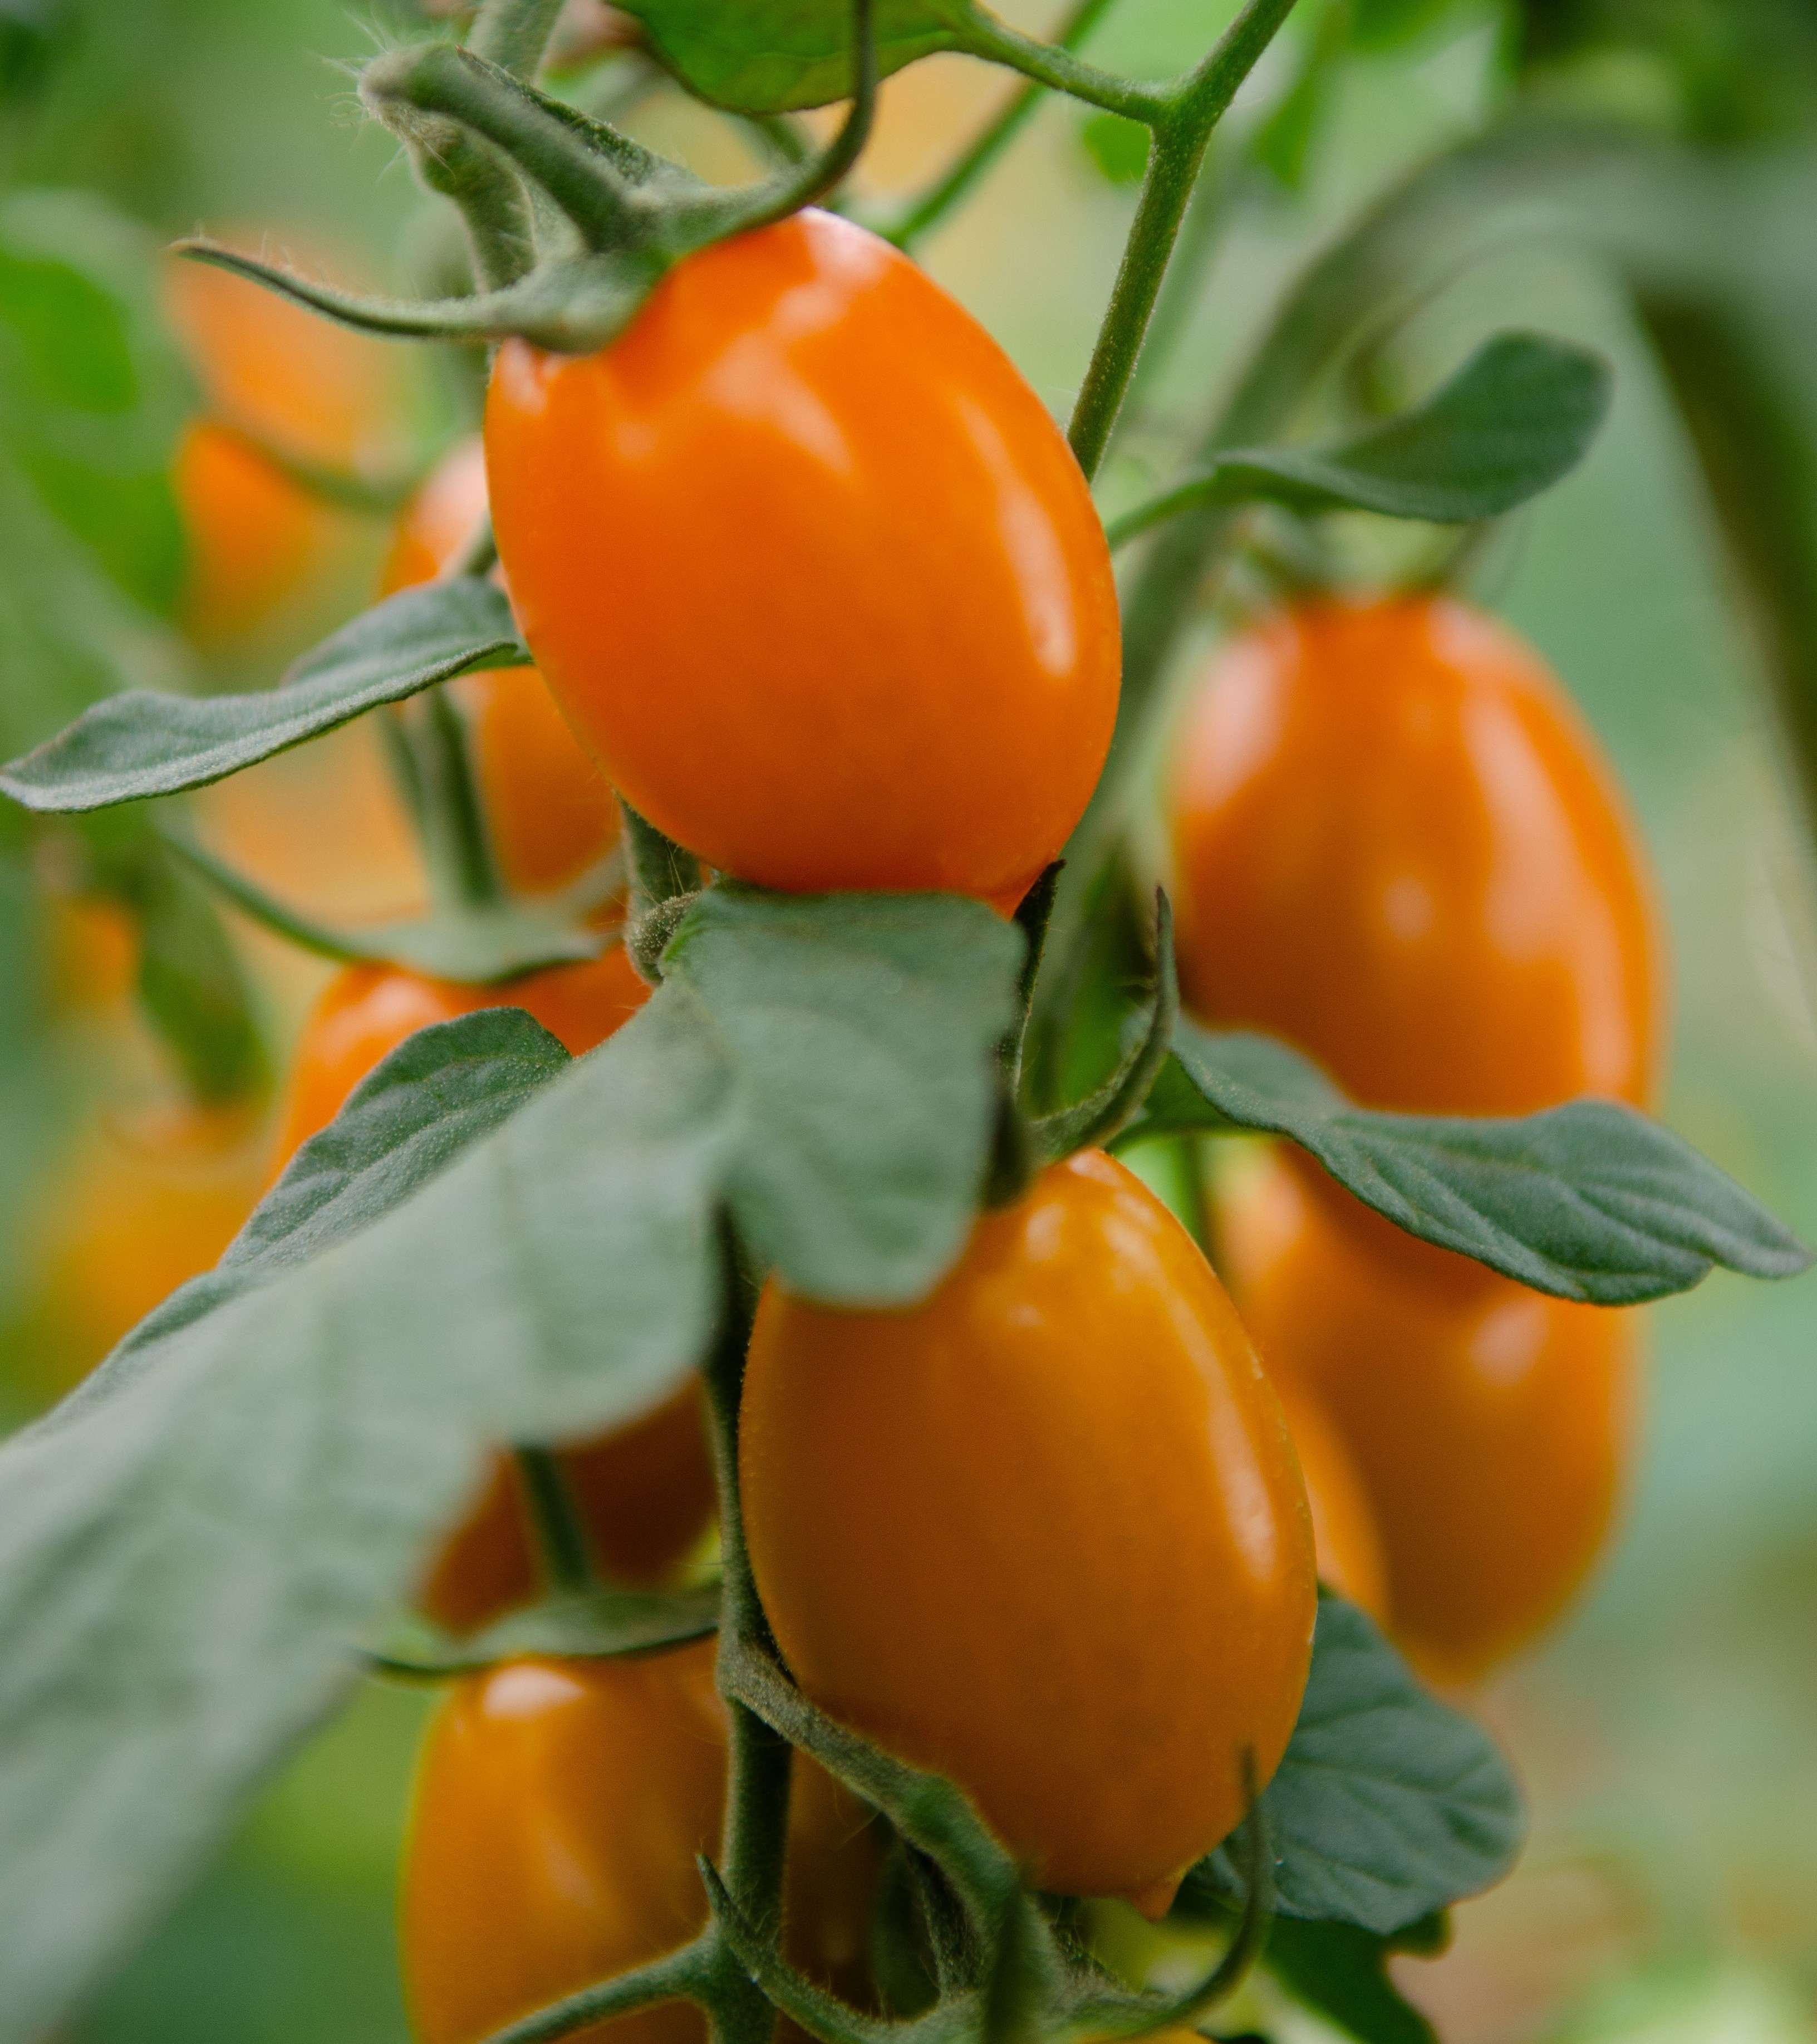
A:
{"points": [[1055, 66], [1182, 121], [514, 34], [993, 138], [676, 1977], [755, 1846]]}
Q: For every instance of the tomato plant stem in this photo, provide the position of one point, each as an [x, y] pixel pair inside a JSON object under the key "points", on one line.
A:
{"points": [[514, 33], [1054, 66], [993, 139], [675, 1976], [1182, 121], [755, 1843], [561, 1540]]}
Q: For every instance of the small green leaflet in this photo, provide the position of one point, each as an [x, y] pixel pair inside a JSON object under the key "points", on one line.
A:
{"points": [[1520, 415], [1590, 1201], [1340, 1973], [142, 744], [769, 56], [1388, 1805], [490, 1242]]}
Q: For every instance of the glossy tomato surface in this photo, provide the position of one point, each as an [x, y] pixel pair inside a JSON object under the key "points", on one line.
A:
{"points": [[1043, 1533], [559, 1808], [548, 810], [810, 568], [1396, 845], [1491, 1432], [645, 1492]]}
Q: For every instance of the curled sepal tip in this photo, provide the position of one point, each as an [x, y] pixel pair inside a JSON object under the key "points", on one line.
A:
{"points": [[572, 306]]}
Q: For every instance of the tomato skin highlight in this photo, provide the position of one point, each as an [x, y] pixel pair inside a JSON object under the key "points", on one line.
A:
{"points": [[1043, 1532], [1491, 1431], [549, 813], [812, 571], [559, 1806], [1397, 845], [644, 1491]]}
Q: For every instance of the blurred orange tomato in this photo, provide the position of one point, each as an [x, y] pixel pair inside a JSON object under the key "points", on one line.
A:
{"points": [[306, 386], [1397, 847], [1490, 1431], [1344, 1535], [645, 1492], [147, 1201], [550, 814], [559, 1808]]}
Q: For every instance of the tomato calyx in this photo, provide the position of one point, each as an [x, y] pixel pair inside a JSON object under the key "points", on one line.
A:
{"points": [[480, 135]]}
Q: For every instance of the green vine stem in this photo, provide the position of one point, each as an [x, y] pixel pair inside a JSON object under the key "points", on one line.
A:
{"points": [[1182, 121], [1054, 66], [678, 1976], [514, 34], [755, 1846], [561, 1539], [956, 182]]}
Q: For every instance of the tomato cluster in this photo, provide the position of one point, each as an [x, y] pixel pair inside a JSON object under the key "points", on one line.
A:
{"points": [[810, 577], [1396, 845]]}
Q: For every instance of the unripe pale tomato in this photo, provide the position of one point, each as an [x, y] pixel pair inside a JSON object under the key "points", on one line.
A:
{"points": [[559, 1808], [308, 388], [1396, 845], [644, 1491], [809, 567], [1043, 1533], [147, 1202], [1490, 1431], [549, 811]]}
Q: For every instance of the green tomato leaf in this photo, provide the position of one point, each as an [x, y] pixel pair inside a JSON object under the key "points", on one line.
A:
{"points": [[602, 1624], [769, 57], [1116, 145], [143, 743], [1340, 1973], [1518, 416], [195, 1542], [1388, 1805], [1590, 1201], [863, 1031]]}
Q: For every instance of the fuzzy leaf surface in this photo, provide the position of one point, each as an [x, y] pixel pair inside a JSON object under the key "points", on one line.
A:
{"points": [[1388, 1805], [1590, 1201], [862, 1029], [142, 742], [769, 57], [192, 1545]]}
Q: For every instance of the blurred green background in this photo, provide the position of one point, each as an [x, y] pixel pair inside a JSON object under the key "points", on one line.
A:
{"points": [[1666, 1735]]}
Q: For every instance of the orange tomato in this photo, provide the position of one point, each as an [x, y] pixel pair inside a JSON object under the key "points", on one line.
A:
{"points": [[307, 387], [811, 569], [1490, 1431], [559, 1808], [1043, 1532], [645, 1492], [1344, 1536], [550, 814], [146, 1203], [1396, 845]]}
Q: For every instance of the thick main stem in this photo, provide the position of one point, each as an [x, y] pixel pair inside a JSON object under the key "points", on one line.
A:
{"points": [[755, 1846]]}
